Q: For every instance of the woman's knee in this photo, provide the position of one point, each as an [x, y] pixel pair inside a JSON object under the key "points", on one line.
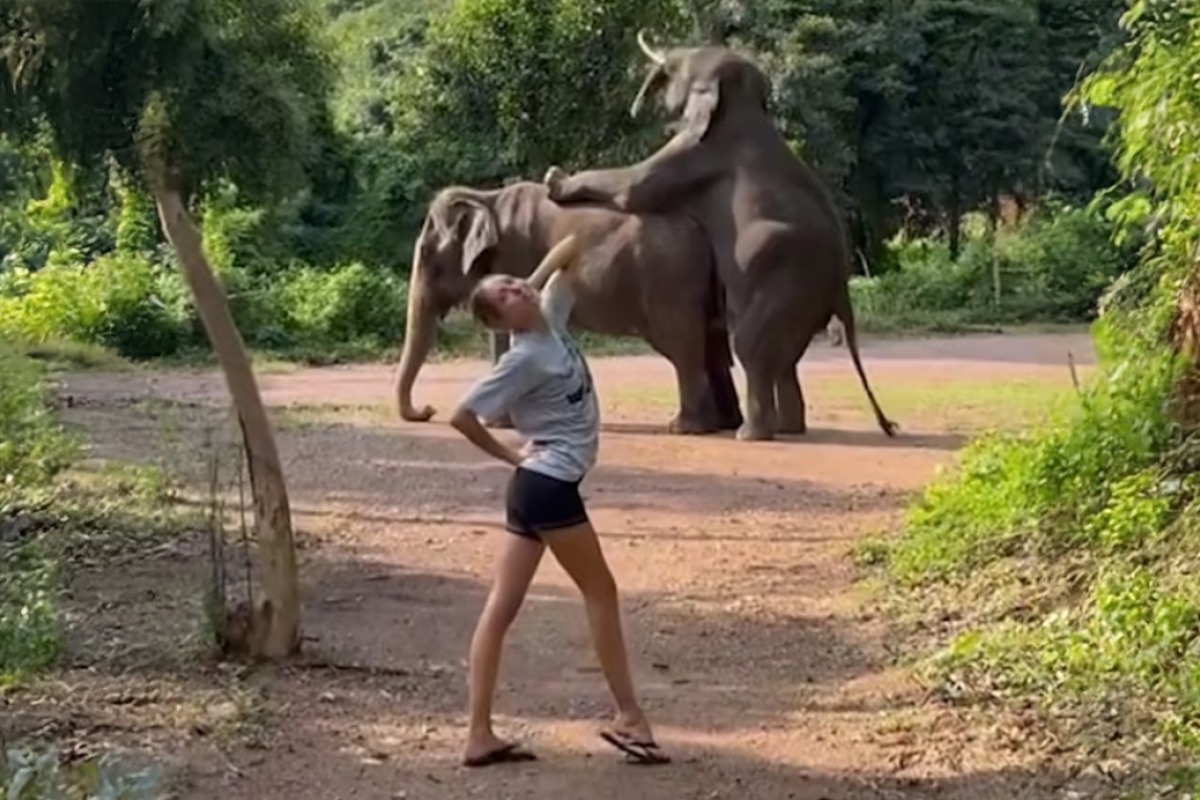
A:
{"points": [[601, 586], [503, 606]]}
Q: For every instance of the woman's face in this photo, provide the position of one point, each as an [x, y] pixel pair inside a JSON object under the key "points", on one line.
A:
{"points": [[513, 301]]}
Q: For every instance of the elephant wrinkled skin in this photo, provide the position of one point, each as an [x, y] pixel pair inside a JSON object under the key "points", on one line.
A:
{"points": [[780, 244], [650, 276]]}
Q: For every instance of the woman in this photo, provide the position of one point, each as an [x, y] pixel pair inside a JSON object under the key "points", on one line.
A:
{"points": [[544, 384]]}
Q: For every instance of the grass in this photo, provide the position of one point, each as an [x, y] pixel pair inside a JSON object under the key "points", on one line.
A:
{"points": [[57, 512], [1054, 569], [955, 405]]}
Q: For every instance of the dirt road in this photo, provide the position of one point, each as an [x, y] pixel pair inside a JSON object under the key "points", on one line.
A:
{"points": [[761, 671]]}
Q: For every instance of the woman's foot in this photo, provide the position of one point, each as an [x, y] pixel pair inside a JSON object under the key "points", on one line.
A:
{"points": [[632, 736], [488, 749]]}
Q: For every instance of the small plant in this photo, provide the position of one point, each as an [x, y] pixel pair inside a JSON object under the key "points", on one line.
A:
{"points": [[32, 775]]}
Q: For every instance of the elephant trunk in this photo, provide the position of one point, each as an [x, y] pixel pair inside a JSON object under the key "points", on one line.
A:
{"points": [[420, 328]]}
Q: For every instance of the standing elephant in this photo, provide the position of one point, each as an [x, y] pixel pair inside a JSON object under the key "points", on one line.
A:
{"points": [[650, 276], [779, 242]]}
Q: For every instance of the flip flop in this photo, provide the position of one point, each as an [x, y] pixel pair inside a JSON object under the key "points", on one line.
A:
{"points": [[636, 751], [511, 752]]}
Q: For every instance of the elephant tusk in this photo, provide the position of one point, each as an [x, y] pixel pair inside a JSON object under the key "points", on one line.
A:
{"points": [[651, 53], [654, 75]]}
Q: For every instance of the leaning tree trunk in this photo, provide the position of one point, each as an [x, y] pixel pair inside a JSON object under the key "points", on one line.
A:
{"points": [[274, 629]]}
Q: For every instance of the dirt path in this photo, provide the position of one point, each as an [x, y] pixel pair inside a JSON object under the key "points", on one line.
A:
{"points": [[763, 675]]}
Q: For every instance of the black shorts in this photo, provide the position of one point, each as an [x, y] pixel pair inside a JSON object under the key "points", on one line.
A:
{"points": [[537, 503]]}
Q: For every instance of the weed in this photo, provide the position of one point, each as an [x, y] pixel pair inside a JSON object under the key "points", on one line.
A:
{"points": [[26, 774]]}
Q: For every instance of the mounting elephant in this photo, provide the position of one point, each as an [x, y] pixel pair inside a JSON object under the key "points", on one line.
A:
{"points": [[780, 244], [650, 276]]}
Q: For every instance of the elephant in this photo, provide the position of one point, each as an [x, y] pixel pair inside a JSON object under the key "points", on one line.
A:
{"points": [[645, 275], [780, 244]]}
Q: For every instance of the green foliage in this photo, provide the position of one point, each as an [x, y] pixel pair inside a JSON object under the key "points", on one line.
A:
{"points": [[194, 90], [123, 302], [31, 636], [228, 102], [1053, 267], [344, 305], [1089, 526], [31, 775], [52, 514], [1062, 487], [33, 446], [33, 450]]}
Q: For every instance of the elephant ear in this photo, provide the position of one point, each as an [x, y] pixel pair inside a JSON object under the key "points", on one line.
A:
{"points": [[481, 236], [703, 98]]}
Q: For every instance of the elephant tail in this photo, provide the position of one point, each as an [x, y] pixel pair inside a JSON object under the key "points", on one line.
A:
{"points": [[844, 311]]}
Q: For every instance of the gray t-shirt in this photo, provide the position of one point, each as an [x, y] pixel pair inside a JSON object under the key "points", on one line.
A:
{"points": [[543, 382]]}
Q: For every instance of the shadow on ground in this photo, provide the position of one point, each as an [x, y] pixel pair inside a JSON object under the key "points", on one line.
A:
{"points": [[340, 731], [840, 437]]}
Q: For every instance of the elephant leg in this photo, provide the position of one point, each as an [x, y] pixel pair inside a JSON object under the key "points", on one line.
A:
{"points": [[760, 404], [498, 344], [697, 413], [756, 351], [685, 350], [789, 398], [718, 364]]}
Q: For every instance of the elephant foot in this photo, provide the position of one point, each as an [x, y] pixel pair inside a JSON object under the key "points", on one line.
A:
{"points": [[749, 432], [688, 426], [793, 423], [730, 422], [793, 427]]}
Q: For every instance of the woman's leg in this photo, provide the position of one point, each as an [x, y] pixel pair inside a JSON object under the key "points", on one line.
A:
{"points": [[518, 561], [577, 549]]}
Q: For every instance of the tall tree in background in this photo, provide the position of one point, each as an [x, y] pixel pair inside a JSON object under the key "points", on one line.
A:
{"points": [[182, 92], [971, 121], [507, 88]]}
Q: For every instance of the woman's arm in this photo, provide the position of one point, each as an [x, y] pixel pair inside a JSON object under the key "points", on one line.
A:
{"points": [[562, 256], [513, 376], [466, 423]]}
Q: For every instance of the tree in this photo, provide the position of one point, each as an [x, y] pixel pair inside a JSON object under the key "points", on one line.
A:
{"points": [[182, 93], [506, 88]]}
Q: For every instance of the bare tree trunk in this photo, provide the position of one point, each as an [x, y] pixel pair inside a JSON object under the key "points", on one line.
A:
{"points": [[276, 623]]}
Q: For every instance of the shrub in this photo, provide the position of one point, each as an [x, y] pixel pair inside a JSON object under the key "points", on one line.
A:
{"points": [[121, 301], [1053, 268], [343, 305], [1082, 480]]}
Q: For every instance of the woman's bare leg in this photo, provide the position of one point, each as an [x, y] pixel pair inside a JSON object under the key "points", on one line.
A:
{"points": [[518, 561], [578, 551]]}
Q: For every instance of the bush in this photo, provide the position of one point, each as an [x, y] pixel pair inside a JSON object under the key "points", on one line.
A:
{"points": [[346, 304], [120, 301], [1053, 268], [1085, 480], [1078, 540]]}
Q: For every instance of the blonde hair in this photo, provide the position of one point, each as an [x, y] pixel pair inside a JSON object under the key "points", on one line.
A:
{"points": [[559, 257], [481, 305]]}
